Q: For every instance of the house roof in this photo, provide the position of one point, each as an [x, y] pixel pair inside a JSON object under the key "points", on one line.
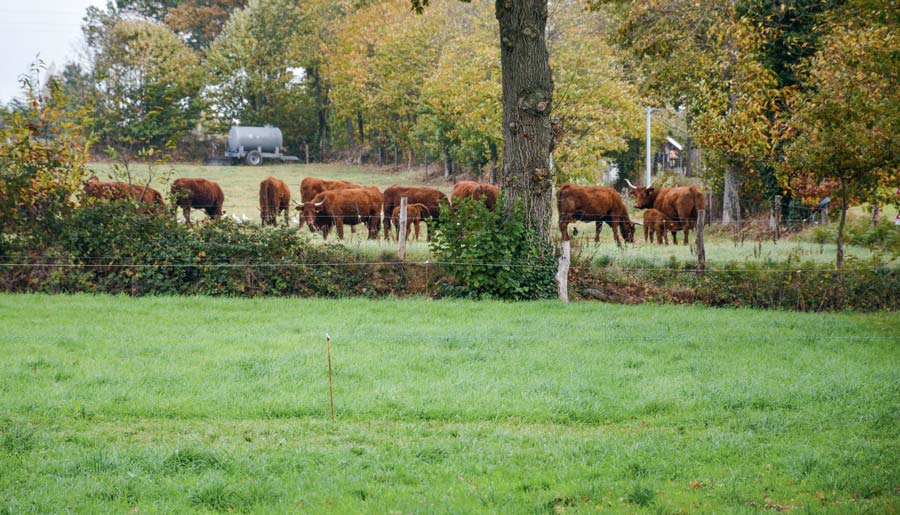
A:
{"points": [[673, 143]]}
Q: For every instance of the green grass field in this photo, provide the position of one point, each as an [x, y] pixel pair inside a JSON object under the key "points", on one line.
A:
{"points": [[171, 405], [241, 187]]}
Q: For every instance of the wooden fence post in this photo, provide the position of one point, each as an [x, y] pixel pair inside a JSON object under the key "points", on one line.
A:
{"points": [[701, 249], [401, 236], [562, 273]]}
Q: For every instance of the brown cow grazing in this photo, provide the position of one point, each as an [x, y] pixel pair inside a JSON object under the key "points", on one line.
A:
{"points": [[198, 194], [338, 207], [274, 197], [655, 222], [415, 213], [430, 197], [477, 191], [679, 205], [593, 204], [117, 190], [310, 187]]}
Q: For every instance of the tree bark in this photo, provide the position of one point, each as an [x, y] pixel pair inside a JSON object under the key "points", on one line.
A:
{"points": [[351, 139], [731, 205], [322, 112], [525, 175]]}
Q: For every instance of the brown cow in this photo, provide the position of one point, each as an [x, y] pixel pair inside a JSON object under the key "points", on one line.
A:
{"points": [[593, 204], [430, 197], [655, 222], [338, 207], [415, 213], [198, 194], [274, 197], [117, 190], [311, 186], [679, 205], [477, 191]]}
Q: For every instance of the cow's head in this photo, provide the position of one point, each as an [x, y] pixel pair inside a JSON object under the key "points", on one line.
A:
{"points": [[643, 196], [628, 231], [311, 210]]}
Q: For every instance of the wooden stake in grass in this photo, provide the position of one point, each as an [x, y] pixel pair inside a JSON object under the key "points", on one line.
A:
{"points": [[401, 230], [330, 387]]}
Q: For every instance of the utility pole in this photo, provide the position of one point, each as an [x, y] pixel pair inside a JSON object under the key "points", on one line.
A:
{"points": [[647, 178]]}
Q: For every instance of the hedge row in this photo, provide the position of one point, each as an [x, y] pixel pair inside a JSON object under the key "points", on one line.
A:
{"points": [[113, 248]]}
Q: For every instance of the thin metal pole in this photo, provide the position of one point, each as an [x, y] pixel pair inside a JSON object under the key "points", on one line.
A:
{"points": [[647, 157], [330, 387]]}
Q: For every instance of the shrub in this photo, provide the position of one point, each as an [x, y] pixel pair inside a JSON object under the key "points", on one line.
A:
{"points": [[489, 255]]}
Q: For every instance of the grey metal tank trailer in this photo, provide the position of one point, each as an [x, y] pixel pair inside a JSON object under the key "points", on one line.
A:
{"points": [[254, 144]]}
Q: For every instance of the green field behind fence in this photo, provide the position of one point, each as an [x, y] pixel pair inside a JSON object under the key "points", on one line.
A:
{"points": [[152, 405]]}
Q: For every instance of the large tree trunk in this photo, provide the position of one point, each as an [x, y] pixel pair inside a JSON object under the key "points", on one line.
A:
{"points": [[731, 205], [527, 101]]}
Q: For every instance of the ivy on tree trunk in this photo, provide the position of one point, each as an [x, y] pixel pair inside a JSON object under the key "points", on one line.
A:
{"points": [[527, 101]]}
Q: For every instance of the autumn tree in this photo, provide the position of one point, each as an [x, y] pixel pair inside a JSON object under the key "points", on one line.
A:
{"points": [[461, 117], [708, 58], [200, 21], [847, 118], [527, 84], [376, 68], [43, 151], [596, 109], [148, 85]]}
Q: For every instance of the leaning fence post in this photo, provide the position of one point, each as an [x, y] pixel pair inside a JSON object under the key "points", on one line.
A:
{"points": [[701, 250], [401, 236], [562, 273]]}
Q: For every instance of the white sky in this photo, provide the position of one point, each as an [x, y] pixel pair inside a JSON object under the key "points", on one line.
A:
{"points": [[28, 27]]}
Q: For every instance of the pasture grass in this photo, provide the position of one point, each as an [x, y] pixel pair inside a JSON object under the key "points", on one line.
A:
{"points": [[214, 405]]}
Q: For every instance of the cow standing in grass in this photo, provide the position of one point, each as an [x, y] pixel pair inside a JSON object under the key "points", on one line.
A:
{"points": [[597, 204], [679, 205], [487, 193], [274, 198], [311, 186], [429, 197], [415, 213], [117, 190], [198, 194], [655, 222], [337, 208]]}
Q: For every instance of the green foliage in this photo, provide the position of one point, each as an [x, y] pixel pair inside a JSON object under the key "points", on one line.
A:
{"points": [[884, 237], [148, 85], [260, 71], [42, 162], [488, 255], [117, 247]]}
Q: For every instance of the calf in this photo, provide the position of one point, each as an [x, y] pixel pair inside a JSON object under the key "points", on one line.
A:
{"points": [[415, 213], [655, 222]]}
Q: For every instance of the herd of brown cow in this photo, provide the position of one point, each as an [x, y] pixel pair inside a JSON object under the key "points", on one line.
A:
{"points": [[325, 204]]}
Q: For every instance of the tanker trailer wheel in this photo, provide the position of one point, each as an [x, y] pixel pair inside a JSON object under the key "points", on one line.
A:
{"points": [[254, 158]]}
